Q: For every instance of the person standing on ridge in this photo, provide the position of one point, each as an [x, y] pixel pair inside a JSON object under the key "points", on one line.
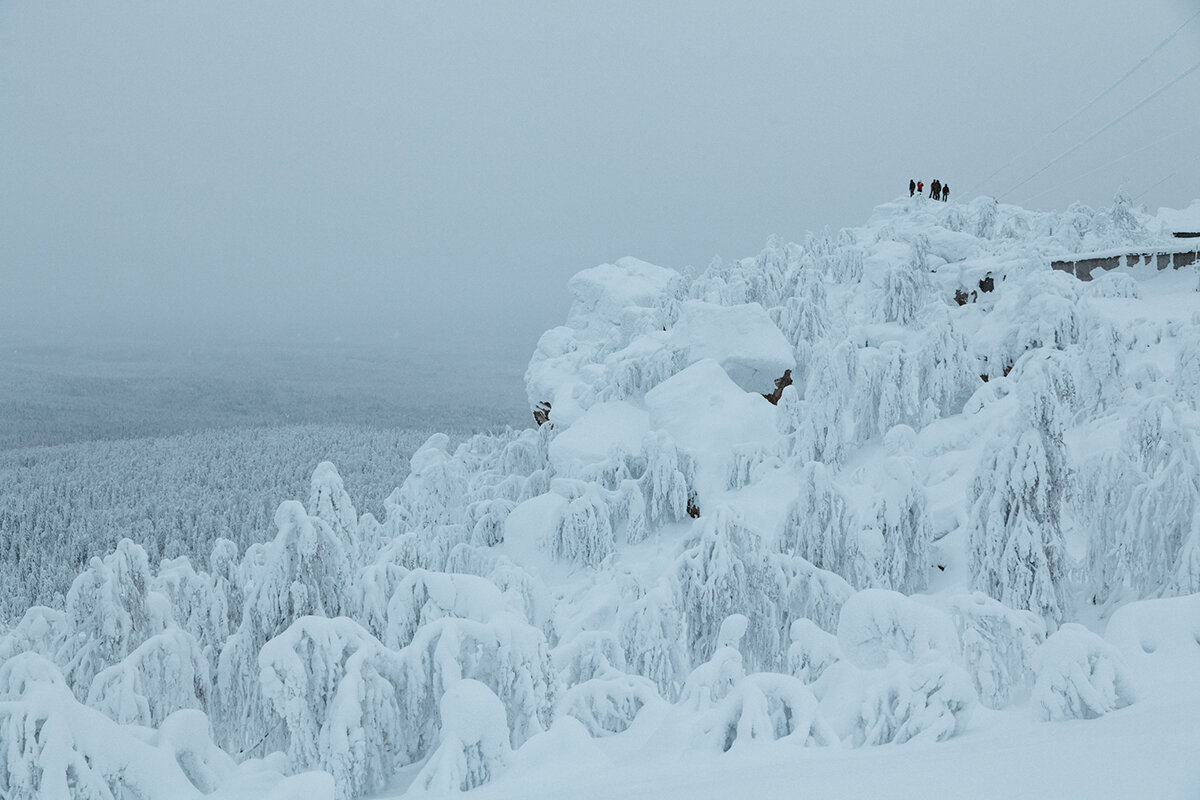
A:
{"points": [[935, 189], [912, 187], [920, 186], [945, 192]]}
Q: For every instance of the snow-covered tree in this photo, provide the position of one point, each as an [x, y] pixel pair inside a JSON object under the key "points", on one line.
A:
{"points": [[329, 501], [901, 294], [724, 571], [820, 525], [1142, 505], [998, 645], [109, 613], [877, 625], [422, 596], [1079, 676], [303, 571], [925, 702], [902, 520], [338, 694], [811, 651], [164, 674], [609, 703], [474, 741], [668, 480], [651, 633], [1016, 551], [584, 533]]}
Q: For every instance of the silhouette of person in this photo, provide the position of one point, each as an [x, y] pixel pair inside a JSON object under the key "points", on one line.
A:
{"points": [[912, 187], [945, 193], [935, 189]]}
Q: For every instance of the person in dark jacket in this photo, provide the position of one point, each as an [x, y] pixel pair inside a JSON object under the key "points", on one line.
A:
{"points": [[935, 189], [912, 187], [945, 192]]}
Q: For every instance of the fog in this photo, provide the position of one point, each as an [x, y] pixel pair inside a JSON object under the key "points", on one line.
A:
{"points": [[432, 173]]}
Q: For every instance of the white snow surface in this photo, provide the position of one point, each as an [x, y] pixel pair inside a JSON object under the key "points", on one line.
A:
{"points": [[959, 558]]}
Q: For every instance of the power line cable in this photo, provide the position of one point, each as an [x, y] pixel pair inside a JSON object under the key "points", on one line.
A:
{"points": [[1125, 77], [1135, 108], [1175, 172], [1093, 101], [1115, 161]]}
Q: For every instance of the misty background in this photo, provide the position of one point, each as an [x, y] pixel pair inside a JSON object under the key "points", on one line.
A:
{"points": [[216, 213]]}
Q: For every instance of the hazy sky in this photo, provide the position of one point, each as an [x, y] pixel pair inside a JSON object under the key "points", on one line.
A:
{"points": [[434, 172]]}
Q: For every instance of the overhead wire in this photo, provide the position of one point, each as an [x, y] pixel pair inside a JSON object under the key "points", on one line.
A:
{"points": [[1125, 77], [1115, 161], [1157, 48], [1138, 106], [1173, 173]]}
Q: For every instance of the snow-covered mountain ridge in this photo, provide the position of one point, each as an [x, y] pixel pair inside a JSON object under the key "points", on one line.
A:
{"points": [[955, 522]]}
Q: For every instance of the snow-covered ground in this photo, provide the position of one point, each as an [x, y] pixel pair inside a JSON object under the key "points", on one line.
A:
{"points": [[959, 556]]}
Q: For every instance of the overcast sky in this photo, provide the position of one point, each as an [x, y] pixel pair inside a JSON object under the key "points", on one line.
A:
{"points": [[433, 173]]}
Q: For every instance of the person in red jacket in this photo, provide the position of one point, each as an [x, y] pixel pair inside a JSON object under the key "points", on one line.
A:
{"points": [[920, 186]]}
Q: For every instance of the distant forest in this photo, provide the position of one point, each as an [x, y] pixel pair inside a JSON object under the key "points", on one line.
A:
{"points": [[61, 505]]}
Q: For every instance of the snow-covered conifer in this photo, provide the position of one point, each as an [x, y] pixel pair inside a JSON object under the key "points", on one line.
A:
{"points": [[668, 480], [199, 604], [423, 596], [1187, 369], [766, 707], [925, 702], [164, 674], [985, 210], [329, 501], [811, 652], [998, 645], [338, 694], [40, 630], [877, 625], [304, 570], [1141, 505], [509, 656], [474, 741], [588, 655], [725, 571], [109, 614], [1016, 551], [904, 524], [609, 703], [901, 294], [651, 634], [820, 525], [1079, 676], [584, 534]]}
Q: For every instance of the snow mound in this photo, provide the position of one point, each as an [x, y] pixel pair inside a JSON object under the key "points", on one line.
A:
{"points": [[742, 339]]}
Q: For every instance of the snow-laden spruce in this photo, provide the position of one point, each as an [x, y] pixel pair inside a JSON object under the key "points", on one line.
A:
{"points": [[853, 491]]}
